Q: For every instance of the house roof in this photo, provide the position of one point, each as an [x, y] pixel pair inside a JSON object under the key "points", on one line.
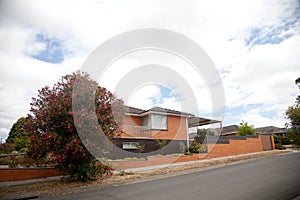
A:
{"points": [[165, 110], [193, 121], [270, 129], [230, 129], [132, 110], [138, 111]]}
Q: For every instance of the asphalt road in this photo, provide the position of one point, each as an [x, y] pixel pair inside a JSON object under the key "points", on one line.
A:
{"points": [[270, 178]]}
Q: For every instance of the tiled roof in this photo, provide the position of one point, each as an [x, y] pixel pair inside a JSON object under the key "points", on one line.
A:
{"points": [[230, 129], [165, 110], [270, 129], [132, 110]]}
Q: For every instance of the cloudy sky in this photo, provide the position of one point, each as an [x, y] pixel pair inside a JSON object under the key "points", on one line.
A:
{"points": [[255, 45]]}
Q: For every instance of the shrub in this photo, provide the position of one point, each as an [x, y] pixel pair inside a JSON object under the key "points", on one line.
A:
{"points": [[187, 153], [195, 147], [279, 146], [6, 148], [161, 145], [52, 127], [140, 148], [23, 150]]}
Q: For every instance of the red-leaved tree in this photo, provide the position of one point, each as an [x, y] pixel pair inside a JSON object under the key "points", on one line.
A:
{"points": [[52, 127]]}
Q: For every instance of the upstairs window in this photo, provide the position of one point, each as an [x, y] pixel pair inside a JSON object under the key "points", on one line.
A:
{"points": [[155, 121]]}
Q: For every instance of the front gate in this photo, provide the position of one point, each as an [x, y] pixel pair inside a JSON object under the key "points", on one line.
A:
{"points": [[266, 142]]}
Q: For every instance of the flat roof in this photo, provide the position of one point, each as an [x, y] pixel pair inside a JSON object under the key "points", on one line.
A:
{"points": [[194, 121]]}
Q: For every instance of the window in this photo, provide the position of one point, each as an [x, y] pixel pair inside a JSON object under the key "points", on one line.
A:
{"points": [[155, 121], [159, 122], [129, 145], [147, 123]]}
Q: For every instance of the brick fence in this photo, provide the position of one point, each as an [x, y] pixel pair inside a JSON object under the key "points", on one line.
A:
{"points": [[17, 174], [234, 147]]}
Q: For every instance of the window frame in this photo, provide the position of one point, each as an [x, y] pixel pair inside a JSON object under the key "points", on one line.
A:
{"points": [[131, 145]]}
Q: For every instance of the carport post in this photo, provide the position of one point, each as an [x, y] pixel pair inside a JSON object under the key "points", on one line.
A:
{"points": [[187, 133]]}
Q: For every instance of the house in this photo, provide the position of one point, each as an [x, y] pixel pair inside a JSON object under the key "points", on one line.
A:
{"points": [[146, 127], [230, 130], [267, 130]]}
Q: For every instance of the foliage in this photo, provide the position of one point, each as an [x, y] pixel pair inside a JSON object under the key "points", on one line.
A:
{"points": [[293, 115], [161, 145], [195, 147], [15, 161], [279, 146], [203, 132], [187, 153], [18, 135], [53, 130], [21, 144], [140, 148], [6, 148], [245, 129], [182, 147]]}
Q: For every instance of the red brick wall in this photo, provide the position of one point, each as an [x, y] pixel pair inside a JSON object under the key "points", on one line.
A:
{"points": [[26, 174], [176, 128], [235, 147], [132, 120]]}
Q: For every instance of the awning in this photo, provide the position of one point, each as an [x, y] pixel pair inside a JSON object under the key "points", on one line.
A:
{"points": [[200, 121]]}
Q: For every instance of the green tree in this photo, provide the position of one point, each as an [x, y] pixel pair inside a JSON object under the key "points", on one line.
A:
{"points": [[203, 132], [18, 136], [51, 124], [293, 115], [245, 129]]}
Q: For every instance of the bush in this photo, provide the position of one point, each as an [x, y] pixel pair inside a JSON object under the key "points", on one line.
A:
{"points": [[279, 146], [6, 148], [52, 127], [23, 150], [195, 147]]}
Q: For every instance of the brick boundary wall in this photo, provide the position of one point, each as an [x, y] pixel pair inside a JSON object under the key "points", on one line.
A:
{"points": [[235, 147], [17, 174]]}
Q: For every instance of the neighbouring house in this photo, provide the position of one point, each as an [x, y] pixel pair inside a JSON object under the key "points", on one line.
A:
{"points": [[267, 130], [147, 127], [230, 130]]}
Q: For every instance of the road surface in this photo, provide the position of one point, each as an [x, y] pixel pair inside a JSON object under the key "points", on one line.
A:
{"points": [[269, 178]]}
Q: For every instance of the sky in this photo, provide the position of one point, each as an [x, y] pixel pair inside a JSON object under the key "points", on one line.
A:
{"points": [[255, 46]]}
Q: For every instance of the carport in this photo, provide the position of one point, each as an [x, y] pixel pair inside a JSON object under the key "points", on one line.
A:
{"points": [[193, 121]]}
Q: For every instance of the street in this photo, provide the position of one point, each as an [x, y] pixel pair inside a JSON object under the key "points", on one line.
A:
{"points": [[273, 178]]}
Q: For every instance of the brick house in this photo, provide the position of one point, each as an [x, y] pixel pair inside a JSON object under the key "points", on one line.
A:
{"points": [[148, 126]]}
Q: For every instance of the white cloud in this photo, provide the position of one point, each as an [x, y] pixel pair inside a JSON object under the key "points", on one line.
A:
{"points": [[143, 97], [263, 75]]}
